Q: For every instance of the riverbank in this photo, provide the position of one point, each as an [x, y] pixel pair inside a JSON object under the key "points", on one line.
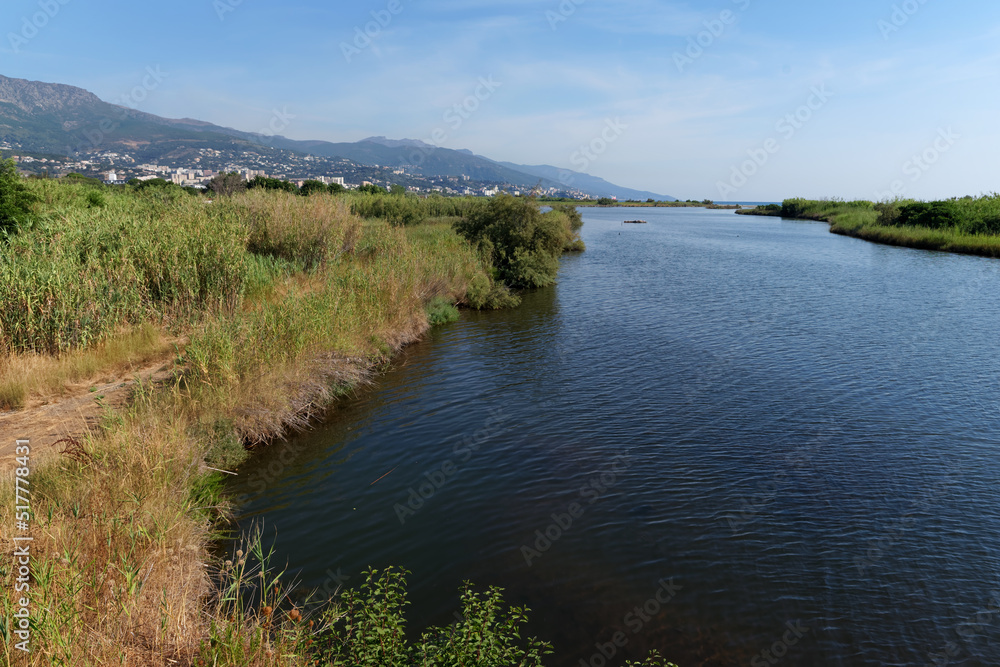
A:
{"points": [[968, 226], [271, 305]]}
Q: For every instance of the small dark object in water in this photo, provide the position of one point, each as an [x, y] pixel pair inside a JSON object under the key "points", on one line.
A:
{"points": [[635, 222]]}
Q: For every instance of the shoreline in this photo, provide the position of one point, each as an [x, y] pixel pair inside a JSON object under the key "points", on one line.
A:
{"points": [[864, 227]]}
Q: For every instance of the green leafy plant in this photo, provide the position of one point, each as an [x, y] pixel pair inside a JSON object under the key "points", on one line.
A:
{"points": [[523, 245], [367, 629], [16, 199], [441, 311]]}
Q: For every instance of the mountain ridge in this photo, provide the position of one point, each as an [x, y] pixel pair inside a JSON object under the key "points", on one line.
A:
{"points": [[61, 119]]}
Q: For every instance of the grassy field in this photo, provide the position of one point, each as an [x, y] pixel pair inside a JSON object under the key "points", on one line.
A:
{"points": [[970, 225]]}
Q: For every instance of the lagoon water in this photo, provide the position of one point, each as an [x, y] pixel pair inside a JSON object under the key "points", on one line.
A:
{"points": [[792, 437]]}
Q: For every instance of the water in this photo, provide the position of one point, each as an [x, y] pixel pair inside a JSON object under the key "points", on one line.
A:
{"points": [[794, 434]]}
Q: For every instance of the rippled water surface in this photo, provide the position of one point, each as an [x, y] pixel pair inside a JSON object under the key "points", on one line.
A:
{"points": [[783, 428]]}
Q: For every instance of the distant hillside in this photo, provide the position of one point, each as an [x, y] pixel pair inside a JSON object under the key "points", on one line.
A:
{"points": [[597, 187], [418, 157], [66, 120]]}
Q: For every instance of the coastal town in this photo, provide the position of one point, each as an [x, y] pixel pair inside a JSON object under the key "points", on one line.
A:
{"points": [[195, 167]]}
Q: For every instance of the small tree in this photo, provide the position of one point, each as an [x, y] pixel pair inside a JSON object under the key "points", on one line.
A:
{"points": [[372, 189], [605, 201], [523, 245], [335, 188], [397, 189], [309, 187], [226, 185], [15, 198]]}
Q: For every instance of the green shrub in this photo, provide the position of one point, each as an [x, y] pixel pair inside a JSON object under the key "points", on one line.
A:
{"points": [[16, 199], [96, 200], [441, 311], [264, 183], [368, 628], [523, 245], [569, 219], [311, 187], [932, 215], [372, 189], [487, 294]]}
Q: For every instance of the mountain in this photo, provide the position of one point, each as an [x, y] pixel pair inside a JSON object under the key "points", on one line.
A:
{"points": [[592, 185], [418, 157], [62, 120], [59, 119]]}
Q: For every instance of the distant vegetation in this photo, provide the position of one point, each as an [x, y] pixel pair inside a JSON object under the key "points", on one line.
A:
{"points": [[969, 225]]}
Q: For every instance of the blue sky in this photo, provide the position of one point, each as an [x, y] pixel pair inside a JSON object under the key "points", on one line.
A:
{"points": [[687, 99]]}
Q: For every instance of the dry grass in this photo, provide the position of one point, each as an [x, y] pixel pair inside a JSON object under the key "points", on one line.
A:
{"points": [[118, 553], [122, 527], [27, 376]]}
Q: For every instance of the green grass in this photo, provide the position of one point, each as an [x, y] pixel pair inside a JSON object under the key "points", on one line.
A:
{"points": [[407, 209], [80, 273]]}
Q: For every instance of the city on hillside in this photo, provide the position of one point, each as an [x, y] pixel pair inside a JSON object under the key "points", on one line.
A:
{"points": [[195, 168]]}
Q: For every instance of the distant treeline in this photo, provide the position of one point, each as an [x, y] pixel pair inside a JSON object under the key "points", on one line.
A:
{"points": [[968, 225], [630, 203]]}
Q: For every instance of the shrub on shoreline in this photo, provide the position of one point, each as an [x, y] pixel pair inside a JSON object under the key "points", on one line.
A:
{"points": [[523, 244]]}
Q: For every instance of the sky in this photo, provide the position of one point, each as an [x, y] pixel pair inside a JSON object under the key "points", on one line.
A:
{"points": [[737, 100]]}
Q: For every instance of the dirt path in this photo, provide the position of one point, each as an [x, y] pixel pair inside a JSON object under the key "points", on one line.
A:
{"points": [[46, 423]]}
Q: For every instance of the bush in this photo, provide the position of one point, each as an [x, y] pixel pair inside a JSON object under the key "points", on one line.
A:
{"points": [[441, 311], [372, 189], [368, 628], [933, 215], [226, 185], [523, 245], [16, 199], [96, 200], [309, 187], [80, 179], [149, 184], [264, 183], [575, 221]]}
